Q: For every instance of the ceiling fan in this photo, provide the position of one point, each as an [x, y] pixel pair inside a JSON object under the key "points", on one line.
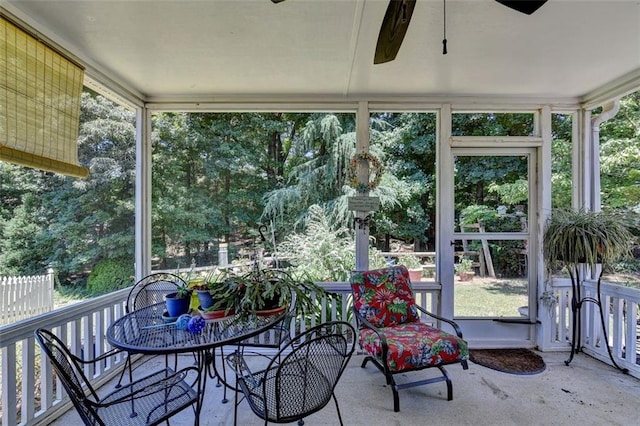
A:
{"points": [[398, 15]]}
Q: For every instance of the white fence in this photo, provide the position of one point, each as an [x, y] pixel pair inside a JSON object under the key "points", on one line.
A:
{"points": [[24, 297]]}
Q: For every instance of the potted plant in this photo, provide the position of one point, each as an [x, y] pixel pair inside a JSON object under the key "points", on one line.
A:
{"points": [[264, 291], [573, 238], [414, 265], [202, 286], [464, 269], [177, 302]]}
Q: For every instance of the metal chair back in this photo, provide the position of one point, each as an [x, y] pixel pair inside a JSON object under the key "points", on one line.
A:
{"points": [[70, 373], [301, 379]]}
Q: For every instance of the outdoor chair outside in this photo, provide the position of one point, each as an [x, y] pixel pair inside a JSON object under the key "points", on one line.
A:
{"points": [[149, 291], [392, 334], [301, 379], [150, 400]]}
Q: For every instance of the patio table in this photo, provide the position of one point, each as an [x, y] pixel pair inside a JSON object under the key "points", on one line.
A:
{"points": [[144, 331]]}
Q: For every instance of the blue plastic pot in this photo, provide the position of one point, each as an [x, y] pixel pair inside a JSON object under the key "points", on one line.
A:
{"points": [[177, 306]]}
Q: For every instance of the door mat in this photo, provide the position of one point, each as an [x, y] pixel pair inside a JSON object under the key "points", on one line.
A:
{"points": [[513, 361]]}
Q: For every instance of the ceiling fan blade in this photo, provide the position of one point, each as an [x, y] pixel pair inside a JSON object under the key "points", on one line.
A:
{"points": [[277, 1], [394, 27], [524, 6]]}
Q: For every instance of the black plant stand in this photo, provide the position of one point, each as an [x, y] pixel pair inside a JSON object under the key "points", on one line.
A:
{"points": [[576, 306]]}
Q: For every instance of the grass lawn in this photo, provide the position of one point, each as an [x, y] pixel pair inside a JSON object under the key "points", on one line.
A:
{"points": [[490, 297]]}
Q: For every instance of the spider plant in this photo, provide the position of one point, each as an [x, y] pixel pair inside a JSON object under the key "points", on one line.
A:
{"points": [[574, 237]]}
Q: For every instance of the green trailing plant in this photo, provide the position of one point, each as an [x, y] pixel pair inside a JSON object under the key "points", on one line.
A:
{"points": [[576, 237], [573, 237], [263, 290]]}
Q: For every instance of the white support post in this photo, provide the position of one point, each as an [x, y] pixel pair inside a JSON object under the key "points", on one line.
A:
{"points": [[362, 145], [546, 328], [446, 214], [143, 193]]}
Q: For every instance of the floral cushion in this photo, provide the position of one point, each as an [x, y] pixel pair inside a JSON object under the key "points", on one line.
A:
{"points": [[414, 346], [384, 296]]}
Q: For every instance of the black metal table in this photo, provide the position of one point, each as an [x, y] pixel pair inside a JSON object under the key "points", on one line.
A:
{"points": [[144, 331]]}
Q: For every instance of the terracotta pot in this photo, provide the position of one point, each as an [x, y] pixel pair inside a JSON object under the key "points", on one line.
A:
{"points": [[415, 275], [466, 276]]}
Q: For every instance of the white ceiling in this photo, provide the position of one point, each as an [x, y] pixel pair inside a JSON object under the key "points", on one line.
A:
{"points": [[181, 50]]}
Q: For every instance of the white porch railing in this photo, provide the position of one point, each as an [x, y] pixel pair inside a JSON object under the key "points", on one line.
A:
{"points": [[30, 393], [83, 325], [24, 297], [620, 308]]}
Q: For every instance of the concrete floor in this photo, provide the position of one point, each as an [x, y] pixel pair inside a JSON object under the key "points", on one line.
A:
{"points": [[587, 392]]}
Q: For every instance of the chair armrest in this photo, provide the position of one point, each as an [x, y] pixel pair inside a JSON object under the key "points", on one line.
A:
{"points": [[363, 323], [452, 323], [107, 354]]}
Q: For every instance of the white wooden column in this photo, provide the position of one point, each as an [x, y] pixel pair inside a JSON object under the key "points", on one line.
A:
{"points": [[543, 331], [445, 217], [143, 193], [362, 145]]}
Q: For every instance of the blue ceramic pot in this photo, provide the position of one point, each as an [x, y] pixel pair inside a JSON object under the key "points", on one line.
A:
{"points": [[177, 306], [206, 301]]}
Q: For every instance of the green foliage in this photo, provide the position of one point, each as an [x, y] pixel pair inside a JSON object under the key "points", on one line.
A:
{"points": [[578, 236], [217, 175], [561, 156], [323, 252], [408, 189], [109, 275], [477, 213], [492, 124], [512, 192]]}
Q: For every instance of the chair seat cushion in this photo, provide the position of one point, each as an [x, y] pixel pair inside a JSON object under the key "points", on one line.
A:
{"points": [[413, 346]]}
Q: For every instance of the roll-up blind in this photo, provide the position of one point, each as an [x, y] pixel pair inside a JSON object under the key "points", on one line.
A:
{"points": [[39, 104]]}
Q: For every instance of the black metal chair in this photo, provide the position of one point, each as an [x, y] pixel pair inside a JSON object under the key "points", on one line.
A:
{"points": [[394, 332], [147, 401], [149, 291], [275, 338], [300, 380]]}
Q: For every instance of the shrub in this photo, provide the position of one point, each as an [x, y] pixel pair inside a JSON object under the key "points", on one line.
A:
{"points": [[109, 275]]}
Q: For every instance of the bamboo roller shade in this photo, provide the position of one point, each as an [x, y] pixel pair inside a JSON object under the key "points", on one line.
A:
{"points": [[39, 104]]}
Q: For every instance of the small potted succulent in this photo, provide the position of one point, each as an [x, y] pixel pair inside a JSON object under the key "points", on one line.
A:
{"points": [[177, 302]]}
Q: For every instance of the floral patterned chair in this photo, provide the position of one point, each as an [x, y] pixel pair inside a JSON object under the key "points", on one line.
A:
{"points": [[392, 334]]}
